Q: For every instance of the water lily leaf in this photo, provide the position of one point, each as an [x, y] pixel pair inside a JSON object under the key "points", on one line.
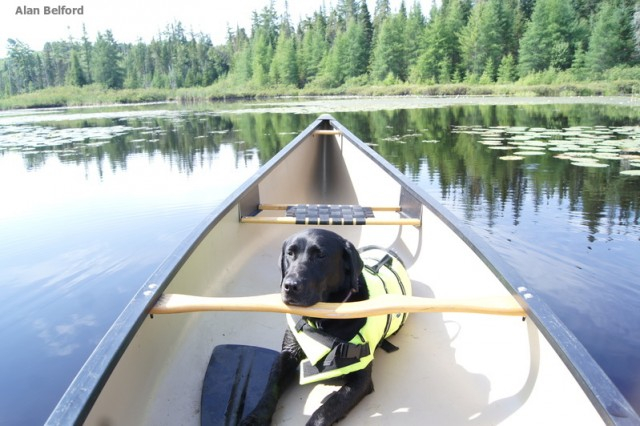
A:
{"points": [[528, 153], [590, 164]]}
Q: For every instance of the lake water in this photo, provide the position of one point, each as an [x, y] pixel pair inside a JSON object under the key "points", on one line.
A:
{"points": [[92, 200]]}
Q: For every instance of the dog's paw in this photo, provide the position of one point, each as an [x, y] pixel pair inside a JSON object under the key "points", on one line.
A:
{"points": [[320, 419], [319, 422]]}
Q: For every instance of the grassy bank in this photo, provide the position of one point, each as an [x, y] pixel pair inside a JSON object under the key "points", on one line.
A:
{"points": [[87, 95], [95, 95]]}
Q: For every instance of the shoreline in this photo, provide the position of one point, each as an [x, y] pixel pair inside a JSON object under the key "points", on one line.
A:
{"points": [[330, 104], [95, 95]]}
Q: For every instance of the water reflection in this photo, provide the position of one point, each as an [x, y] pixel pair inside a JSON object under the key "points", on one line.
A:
{"points": [[437, 142], [464, 168]]}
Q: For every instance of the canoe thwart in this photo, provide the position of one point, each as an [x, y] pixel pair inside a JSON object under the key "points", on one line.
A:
{"points": [[381, 305], [327, 132], [329, 214]]}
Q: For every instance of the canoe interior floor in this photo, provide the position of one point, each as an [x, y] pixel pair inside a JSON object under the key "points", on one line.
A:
{"points": [[450, 369]]}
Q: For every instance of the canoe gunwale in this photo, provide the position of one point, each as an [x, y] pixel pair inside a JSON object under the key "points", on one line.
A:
{"points": [[75, 405]]}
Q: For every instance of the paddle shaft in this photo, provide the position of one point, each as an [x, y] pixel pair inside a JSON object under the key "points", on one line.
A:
{"points": [[381, 305]]}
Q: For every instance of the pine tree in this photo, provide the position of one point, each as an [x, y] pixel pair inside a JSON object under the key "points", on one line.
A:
{"points": [[483, 40], [507, 71], [440, 44], [284, 67], [549, 39], [106, 60], [364, 19], [380, 14], [86, 53], [412, 33], [389, 57], [75, 75], [22, 67], [261, 56], [334, 71], [347, 57], [313, 49], [611, 41], [579, 64]]}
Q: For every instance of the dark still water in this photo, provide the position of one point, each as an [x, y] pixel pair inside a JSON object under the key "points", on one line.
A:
{"points": [[93, 200]]}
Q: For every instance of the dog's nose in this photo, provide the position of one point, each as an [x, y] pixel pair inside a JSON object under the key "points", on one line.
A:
{"points": [[290, 285]]}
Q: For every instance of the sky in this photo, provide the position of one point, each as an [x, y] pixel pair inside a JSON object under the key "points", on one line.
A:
{"points": [[130, 20]]}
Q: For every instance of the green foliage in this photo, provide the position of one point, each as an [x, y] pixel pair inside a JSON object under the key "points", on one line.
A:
{"points": [[389, 53], [344, 49], [507, 71], [440, 57], [21, 68], [313, 48], [548, 40], [284, 67], [611, 42], [482, 40], [75, 75], [106, 60]]}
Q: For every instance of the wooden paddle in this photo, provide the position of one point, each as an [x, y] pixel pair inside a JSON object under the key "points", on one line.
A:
{"points": [[381, 305]]}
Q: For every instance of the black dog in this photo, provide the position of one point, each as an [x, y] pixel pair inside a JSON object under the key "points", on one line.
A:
{"points": [[318, 266]]}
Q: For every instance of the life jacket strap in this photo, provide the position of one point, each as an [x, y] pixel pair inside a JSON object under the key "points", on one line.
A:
{"points": [[345, 353], [341, 353], [385, 261]]}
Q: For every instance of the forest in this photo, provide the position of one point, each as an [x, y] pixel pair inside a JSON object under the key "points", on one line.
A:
{"points": [[471, 42]]}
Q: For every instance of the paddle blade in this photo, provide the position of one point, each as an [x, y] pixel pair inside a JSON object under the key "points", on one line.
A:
{"points": [[234, 382]]}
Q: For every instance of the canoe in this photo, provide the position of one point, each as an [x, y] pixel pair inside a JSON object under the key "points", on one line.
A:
{"points": [[452, 366]]}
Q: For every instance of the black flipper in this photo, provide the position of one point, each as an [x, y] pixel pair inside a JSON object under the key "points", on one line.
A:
{"points": [[234, 382]]}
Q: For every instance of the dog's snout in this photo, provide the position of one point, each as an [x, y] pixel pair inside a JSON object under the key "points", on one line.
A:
{"points": [[291, 285]]}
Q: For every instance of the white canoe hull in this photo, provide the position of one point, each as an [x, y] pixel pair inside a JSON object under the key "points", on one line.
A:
{"points": [[452, 368]]}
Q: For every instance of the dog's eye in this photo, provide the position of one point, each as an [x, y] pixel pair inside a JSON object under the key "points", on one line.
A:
{"points": [[291, 251], [317, 253]]}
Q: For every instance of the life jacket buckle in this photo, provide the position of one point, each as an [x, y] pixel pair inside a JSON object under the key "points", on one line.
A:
{"points": [[347, 351]]}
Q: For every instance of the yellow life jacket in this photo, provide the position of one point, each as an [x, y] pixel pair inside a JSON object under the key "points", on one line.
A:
{"points": [[329, 357]]}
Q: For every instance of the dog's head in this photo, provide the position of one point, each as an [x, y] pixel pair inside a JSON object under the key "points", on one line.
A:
{"points": [[318, 266]]}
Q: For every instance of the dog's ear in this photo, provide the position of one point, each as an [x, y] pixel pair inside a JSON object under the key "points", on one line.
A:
{"points": [[281, 260], [353, 265]]}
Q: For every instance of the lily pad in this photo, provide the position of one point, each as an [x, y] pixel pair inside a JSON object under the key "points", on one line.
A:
{"points": [[511, 158], [593, 164], [503, 147], [528, 153], [630, 172]]}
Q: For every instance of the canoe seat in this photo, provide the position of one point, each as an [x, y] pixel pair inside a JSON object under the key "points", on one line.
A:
{"points": [[329, 214]]}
